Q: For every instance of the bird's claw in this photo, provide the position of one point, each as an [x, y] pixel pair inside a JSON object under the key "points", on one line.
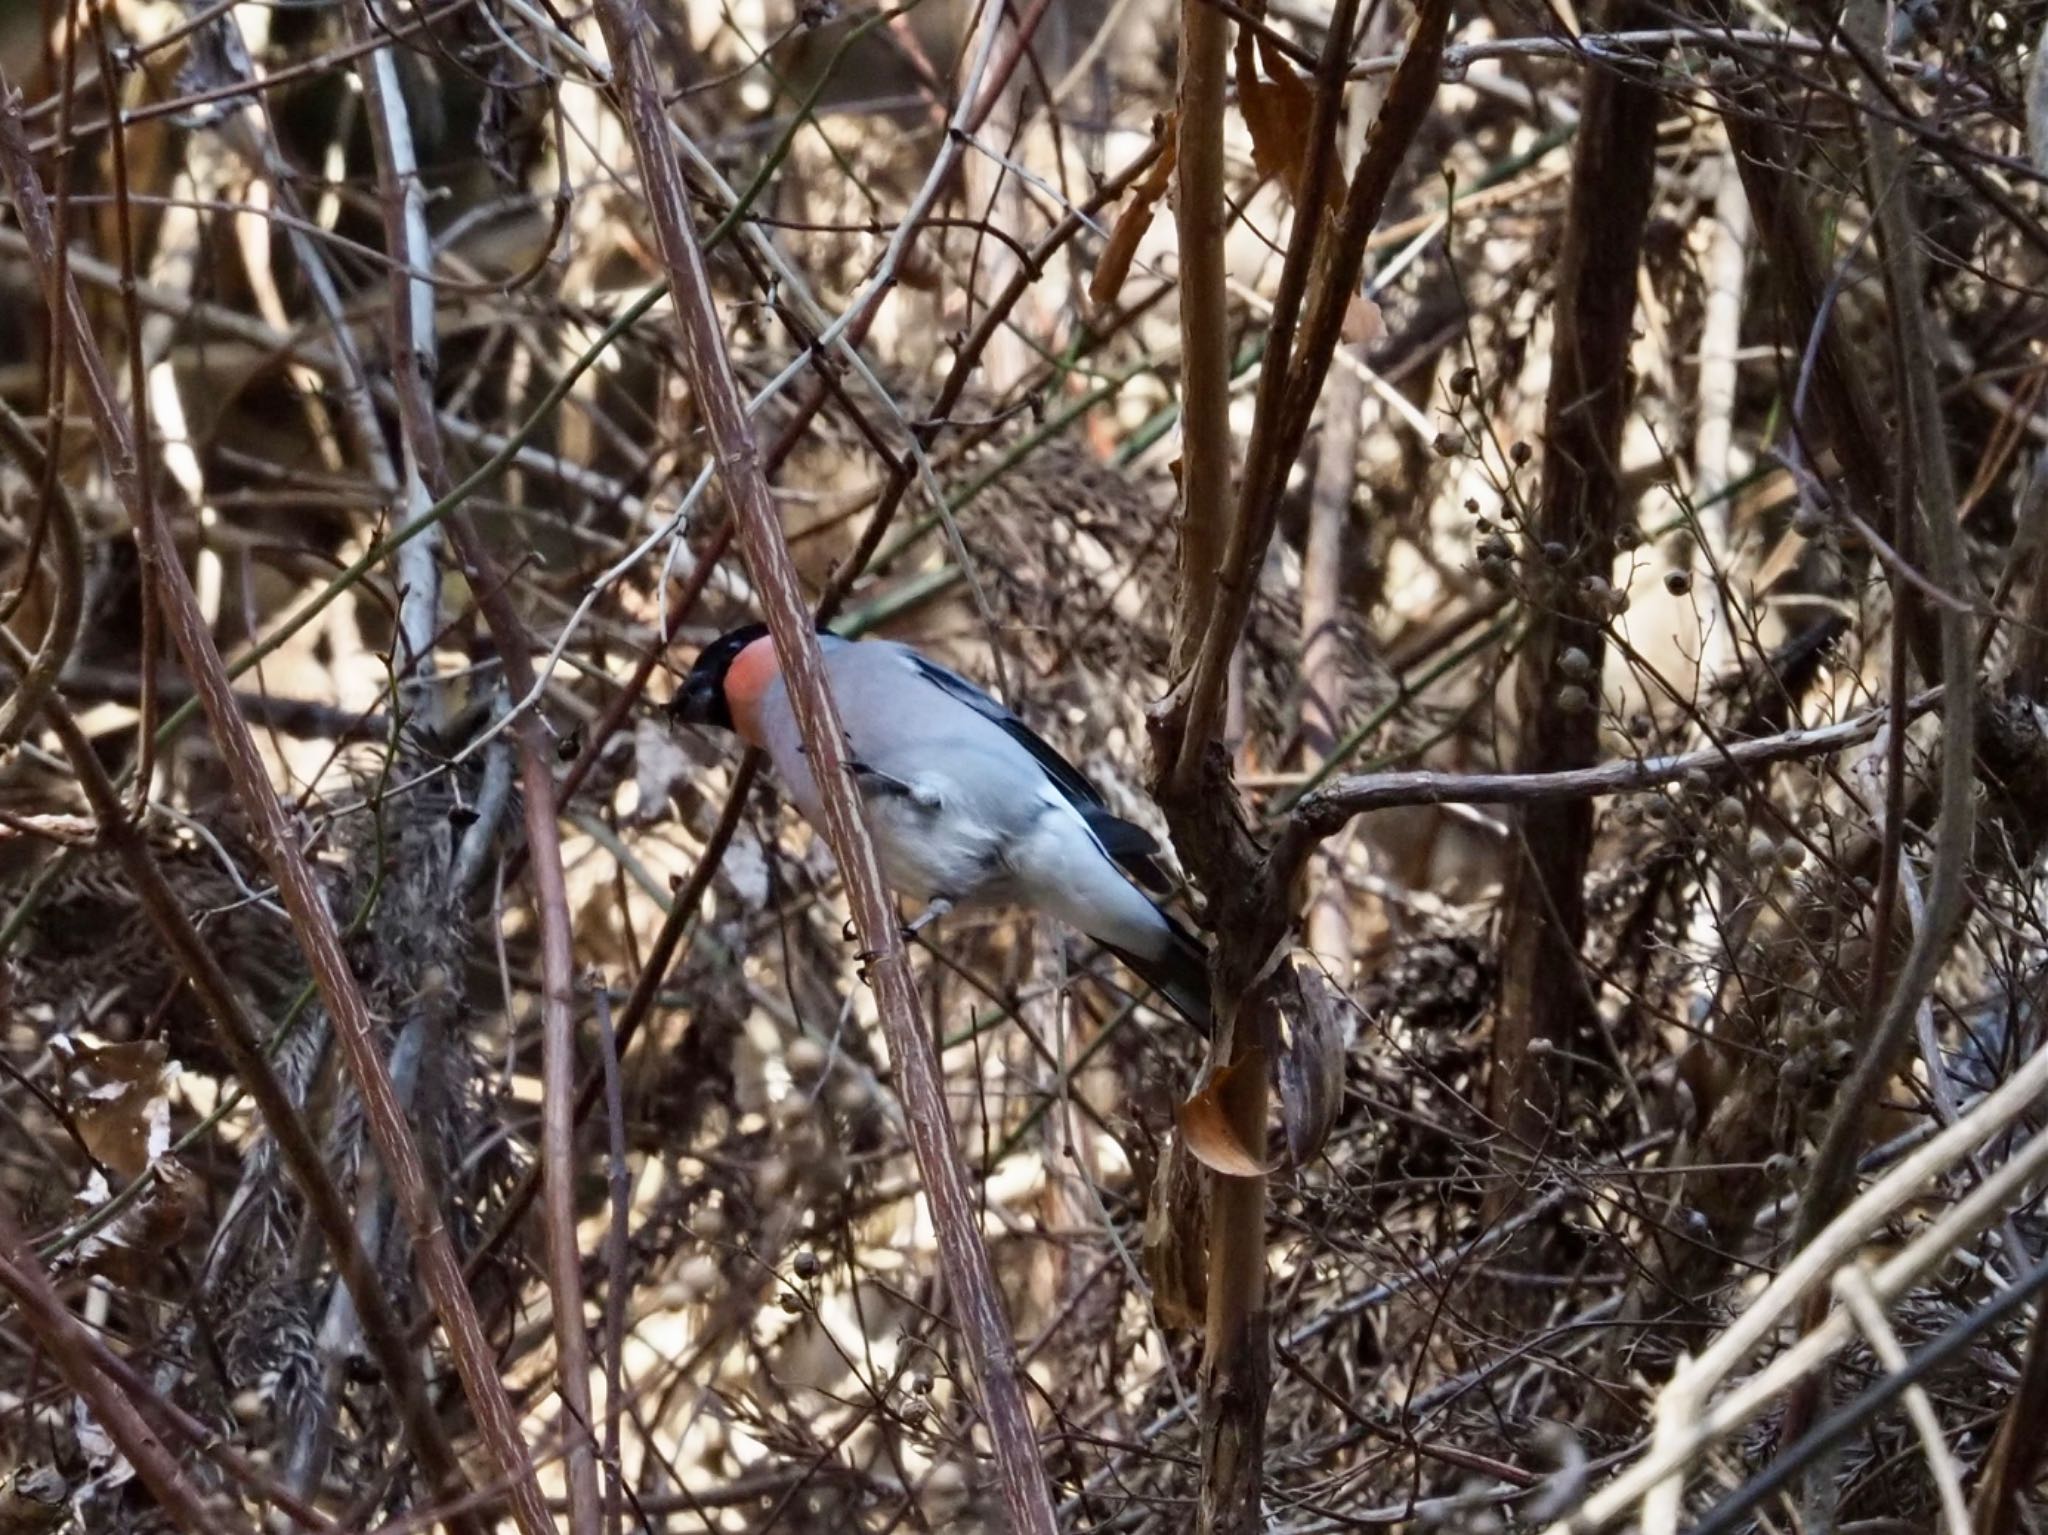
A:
{"points": [[937, 907]]}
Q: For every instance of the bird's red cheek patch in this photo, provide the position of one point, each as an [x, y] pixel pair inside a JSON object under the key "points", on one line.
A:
{"points": [[749, 677]]}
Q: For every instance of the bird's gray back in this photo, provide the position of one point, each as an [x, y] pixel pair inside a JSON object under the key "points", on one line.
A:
{"points": [[899, 723]]}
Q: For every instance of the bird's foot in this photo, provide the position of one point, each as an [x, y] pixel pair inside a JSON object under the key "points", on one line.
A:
{"points": [[934, 909]]}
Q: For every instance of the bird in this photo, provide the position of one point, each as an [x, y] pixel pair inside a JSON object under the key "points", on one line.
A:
{"points": [[967, 805]]}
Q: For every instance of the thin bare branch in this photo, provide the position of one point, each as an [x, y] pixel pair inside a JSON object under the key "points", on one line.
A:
{"points": [[279, 844], [977, 1300]]}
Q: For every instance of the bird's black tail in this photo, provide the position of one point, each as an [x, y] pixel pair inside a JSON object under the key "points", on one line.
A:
{"points": [[1180, 973]]}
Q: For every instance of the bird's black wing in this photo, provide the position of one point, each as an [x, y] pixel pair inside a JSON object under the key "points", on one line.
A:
{"points": [[1133, 847], [1077, 789]]}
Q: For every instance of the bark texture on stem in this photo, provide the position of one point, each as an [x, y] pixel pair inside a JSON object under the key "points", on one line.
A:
{"points": [[1318, 283], [1199, 219], [1848, 416], [235, 1031], [1543, 994], [2015, 1457], [956, 1219], [1224, 539]]}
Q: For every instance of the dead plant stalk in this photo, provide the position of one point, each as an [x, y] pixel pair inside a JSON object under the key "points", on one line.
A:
{"points": [[278, 842], [69, 1346], [963, 1257], [413, 350], [1223, 540]]}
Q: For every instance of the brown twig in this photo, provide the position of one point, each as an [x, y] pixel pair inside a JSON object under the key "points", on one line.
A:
{"points": [[288, 866], [1223, 541], [401, 198], [1331, 806], [1297, 370], [1324, 693], [1199, 220], [69, 137], [619, 1180], [237, 1036], [1930, 477], [1236, 1365], [199, 1436], [64, 552], [1784, 227], [964, 1258], [2009, 1469], [1029, 269], [66, 1339], [654, 971]]}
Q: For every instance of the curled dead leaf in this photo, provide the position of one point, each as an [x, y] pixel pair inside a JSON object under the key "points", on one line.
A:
{"points": [[1278, 108], [1308, 1071], [119, 1096], [1207, 1121], [1121, 249], [129, 1248]]}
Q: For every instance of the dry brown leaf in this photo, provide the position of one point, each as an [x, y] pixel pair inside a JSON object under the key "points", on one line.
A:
{"points": [[1309, 1071], [129, 1248], [1175, 1250], [1277, 109], [120, 1097], [34, 1501], [1121, 249], [1363, 322], [1205, 1119]]}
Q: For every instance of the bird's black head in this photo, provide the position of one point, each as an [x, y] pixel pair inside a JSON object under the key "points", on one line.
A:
{"points": [[701, 700]]}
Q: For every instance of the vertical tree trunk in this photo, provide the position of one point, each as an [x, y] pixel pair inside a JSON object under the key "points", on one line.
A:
{"points": [[1544, 997]]}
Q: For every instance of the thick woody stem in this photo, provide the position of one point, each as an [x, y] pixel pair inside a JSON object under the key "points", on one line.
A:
{"points": [[1204, 329]]}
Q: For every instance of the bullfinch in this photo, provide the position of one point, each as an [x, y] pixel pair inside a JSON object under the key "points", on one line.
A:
{"points": [[965, 803]]}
